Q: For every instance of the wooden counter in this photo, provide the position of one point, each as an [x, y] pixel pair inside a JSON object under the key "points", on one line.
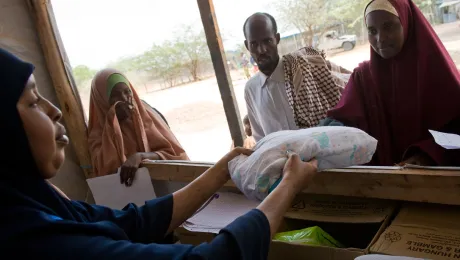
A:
{"points": [[420, 185]]}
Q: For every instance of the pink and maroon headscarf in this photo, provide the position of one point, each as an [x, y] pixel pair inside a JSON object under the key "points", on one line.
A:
{"points": [[398, 100]]}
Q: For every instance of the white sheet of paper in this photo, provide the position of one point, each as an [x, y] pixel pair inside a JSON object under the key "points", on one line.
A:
{"points": [[108, 191], [448, 141], [220, 212]]}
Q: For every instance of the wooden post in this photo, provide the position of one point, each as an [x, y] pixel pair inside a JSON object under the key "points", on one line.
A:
{"points": [[219, 61], [60, 75]]}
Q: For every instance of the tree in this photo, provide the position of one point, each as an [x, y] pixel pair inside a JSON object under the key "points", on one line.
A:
{"points": [[317, 16], [347, 11], [126, 64], [194, 48], [429, 9], [169, 60], [82, 74], [163, 61], [307, 16]]}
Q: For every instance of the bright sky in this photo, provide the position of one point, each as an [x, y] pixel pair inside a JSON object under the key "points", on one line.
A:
{"points": [[96, 32]]}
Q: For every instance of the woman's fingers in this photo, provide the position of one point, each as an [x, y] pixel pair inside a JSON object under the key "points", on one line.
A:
{"points": [[240, 150], [131, 176], [123, 175], [292, 156], [314, 163], [128, 176]]}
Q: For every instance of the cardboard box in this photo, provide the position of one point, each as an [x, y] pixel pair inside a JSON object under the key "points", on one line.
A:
{"points": [[281, 250], [355, 222], [424, 231]]}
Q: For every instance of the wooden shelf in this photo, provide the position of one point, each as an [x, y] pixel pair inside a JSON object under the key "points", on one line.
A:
{"points": [[419, 185]]}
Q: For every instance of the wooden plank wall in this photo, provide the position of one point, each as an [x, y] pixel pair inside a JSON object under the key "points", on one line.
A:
{"points": [[68, 96]]}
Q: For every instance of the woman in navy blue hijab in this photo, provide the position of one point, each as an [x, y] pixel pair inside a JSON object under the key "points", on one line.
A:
{"points": [[36, 220]]}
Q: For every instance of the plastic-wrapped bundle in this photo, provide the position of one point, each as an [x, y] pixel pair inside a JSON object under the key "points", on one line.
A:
{"points": [[332, 146]]}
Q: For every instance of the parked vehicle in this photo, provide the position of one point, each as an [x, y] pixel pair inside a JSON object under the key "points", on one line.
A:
{"points": [[330, 40]]}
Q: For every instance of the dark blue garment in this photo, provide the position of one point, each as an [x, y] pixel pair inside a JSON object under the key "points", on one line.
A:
{"points": [[36, 221], [330, 122], [131, 233]]}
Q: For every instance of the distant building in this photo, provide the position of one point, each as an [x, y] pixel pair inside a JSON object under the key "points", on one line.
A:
{"points": [[450, 10], [290, 41]]}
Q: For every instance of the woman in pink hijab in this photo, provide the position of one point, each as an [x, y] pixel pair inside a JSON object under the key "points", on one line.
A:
{"points": [[123, 131], [409, 86]]}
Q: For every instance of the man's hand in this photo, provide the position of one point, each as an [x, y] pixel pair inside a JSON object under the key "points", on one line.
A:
{"points": [[129, 168], [298, 174]]}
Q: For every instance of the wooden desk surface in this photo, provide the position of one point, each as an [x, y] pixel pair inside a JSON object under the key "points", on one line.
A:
{"points": [[419, 185]]}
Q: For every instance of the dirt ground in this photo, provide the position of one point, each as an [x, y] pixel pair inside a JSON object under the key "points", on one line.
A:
{"points": [[196, 115]]}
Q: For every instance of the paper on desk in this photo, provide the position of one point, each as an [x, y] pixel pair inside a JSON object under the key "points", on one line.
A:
{"points": [[220, 212], [448, 141], [108, 191]]}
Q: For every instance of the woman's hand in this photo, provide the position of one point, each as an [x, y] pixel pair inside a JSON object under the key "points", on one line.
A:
{"points": [[129, 168], [222, 165], [298, 174], [123, 111], [296, 177], [190, 198], [421, 159]]}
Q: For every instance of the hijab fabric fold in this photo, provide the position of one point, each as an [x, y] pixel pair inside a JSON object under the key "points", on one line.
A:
{"points": [[111, 142]]}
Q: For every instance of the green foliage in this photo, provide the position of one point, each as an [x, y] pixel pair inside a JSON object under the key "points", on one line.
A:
{"points": [[163, 61], [83, 74], [194, 49], [169, 60], [315, 16], [304, 15]]}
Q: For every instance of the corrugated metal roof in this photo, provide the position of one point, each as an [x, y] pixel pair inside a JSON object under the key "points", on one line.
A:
{"points": [[289, 33], [449, 3]]}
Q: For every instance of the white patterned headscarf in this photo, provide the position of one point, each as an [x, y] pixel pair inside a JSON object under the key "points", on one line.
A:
{"points": [[311, 88]]}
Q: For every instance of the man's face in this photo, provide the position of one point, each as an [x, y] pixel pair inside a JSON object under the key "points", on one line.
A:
{"points": [[247, 129], [262, 43]]}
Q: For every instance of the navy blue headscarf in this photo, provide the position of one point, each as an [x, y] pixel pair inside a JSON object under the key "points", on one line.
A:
{"points": [[14, 74], [22, 188]]}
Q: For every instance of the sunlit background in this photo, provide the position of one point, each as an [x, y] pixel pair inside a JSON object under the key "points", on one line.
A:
{"points": [[160, 46]]}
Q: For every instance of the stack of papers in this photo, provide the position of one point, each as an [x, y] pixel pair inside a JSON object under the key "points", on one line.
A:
{"points": [[222, 210]]}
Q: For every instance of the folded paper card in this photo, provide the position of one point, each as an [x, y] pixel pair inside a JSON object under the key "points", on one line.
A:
{"points": [[108, 191]]}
